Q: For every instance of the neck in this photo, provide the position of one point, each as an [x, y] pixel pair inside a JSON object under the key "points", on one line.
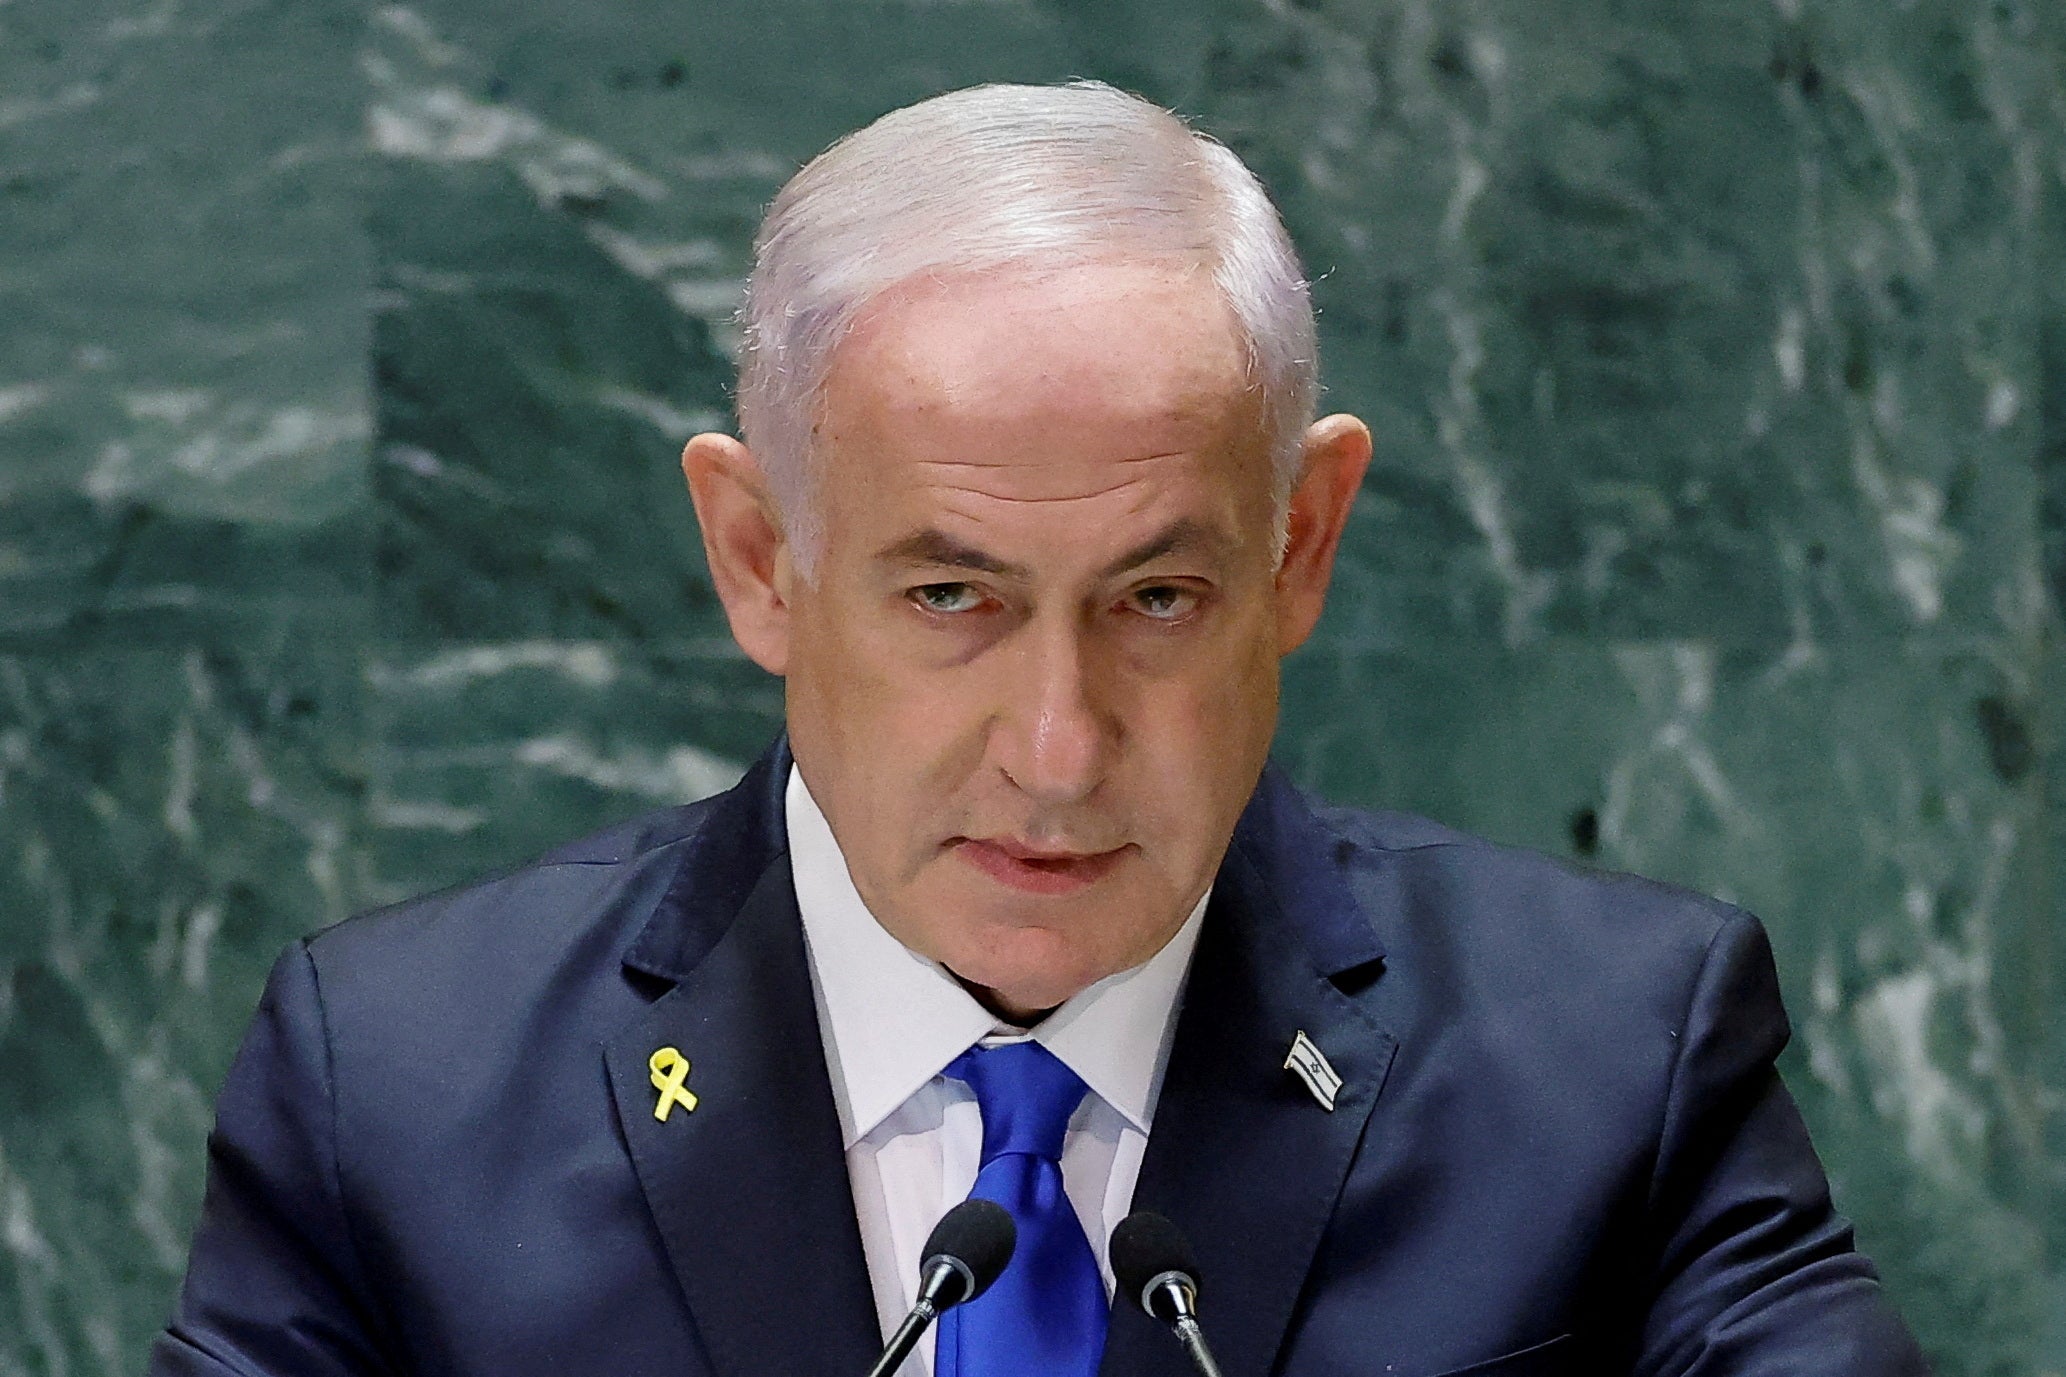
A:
{"points": [[1000, 1004]]}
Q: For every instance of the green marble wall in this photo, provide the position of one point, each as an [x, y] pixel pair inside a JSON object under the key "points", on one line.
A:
{"points": [[1716, 351]]}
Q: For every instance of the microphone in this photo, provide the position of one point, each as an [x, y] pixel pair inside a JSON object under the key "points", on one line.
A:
{"points": [[1153, 1265], [963, 1255]]}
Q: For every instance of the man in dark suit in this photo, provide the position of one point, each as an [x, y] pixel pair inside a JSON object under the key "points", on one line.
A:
{"points": [[1029, 507]]}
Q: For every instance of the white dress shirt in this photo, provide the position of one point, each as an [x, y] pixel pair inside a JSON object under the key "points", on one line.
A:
{"points": [[892, 1020]]}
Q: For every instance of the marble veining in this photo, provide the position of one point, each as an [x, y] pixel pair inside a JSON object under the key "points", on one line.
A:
{"points": [[1717, 529]]}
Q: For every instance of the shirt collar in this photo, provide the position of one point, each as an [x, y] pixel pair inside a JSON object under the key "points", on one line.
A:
{"points": [[893, 1019]]}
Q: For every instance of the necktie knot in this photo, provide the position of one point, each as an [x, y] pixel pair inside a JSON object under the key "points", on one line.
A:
{"points": [[1026, 1096]]}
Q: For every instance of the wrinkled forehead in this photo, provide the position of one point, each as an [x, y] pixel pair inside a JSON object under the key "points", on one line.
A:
{"points": [[1055, 414], [1141, 343]]}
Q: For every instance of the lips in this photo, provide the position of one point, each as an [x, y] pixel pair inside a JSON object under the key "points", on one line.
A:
{"points": [[1034, 870]]}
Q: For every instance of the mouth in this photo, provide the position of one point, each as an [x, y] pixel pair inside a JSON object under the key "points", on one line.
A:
{"points": [[1035, 870]]}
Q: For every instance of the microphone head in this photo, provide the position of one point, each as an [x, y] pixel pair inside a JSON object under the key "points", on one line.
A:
{"points": [[976, 1238], [1146, 1249]]}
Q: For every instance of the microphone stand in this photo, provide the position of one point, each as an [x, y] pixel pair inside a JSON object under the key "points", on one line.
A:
{"points": [[942, 1275], [1179, 1294], [1193, 1338]]}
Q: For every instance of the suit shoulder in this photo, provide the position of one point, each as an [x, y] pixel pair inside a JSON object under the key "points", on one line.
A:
{"points": [[1511, 899], [1508, 957], [577, 893]]}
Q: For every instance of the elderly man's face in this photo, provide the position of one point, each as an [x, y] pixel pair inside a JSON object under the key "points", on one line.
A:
{"points": [[1032, 675]]}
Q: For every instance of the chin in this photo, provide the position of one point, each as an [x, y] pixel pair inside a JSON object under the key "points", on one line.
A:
{"points": [[1030, 970]]}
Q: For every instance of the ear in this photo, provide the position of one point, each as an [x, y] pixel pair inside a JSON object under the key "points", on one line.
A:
{"points": [[1337, 451], [744, 543]]}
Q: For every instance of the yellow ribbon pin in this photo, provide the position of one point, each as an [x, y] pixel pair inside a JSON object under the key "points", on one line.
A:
{"points": [[670, 1069]]}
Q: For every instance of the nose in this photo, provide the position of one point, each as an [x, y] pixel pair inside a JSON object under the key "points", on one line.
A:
{"points": [[1054, 741]]}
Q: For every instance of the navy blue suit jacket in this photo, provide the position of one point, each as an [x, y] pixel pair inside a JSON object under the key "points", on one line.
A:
{"points": [[1560, 1145]]}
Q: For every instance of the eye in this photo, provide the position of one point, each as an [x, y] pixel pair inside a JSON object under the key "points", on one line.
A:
{"points": [[946, 597], [1165, 602]]}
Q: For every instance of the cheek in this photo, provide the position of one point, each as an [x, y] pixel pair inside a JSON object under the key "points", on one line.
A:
{"points": [[840, 702], [1223, 689], [1202, 738], [885, 733]]}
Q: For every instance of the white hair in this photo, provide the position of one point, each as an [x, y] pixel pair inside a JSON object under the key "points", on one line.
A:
{"points": [[1002, 176]]}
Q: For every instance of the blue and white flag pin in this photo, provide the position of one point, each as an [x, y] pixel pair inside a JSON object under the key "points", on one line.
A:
{"points": [[1312, 1068]]}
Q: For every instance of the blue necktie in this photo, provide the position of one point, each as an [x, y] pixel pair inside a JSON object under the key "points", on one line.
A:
{"points": [[1046, 1316]]}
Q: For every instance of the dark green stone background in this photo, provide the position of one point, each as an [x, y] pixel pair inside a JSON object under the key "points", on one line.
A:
{"points": [[1716, 352]]}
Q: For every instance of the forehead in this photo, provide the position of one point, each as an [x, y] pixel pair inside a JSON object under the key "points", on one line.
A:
{"points": [[1061, 371]]}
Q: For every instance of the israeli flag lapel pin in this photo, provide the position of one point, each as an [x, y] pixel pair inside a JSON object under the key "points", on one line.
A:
{"points": [[1311, 1066]]}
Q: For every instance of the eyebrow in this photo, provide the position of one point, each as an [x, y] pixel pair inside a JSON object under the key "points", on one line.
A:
{"points": [[1185, 535]]}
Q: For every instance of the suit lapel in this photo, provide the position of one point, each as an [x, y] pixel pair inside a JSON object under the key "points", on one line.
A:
{"points": [[750, 1188], [1242, 1156]]}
